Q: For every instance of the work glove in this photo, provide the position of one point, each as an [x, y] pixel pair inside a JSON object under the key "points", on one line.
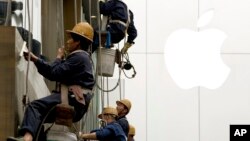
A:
{"points": [[126, 47], [33, 57]]}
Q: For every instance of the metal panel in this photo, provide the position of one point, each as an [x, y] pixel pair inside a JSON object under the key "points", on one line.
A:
{"points": [[12, 82], [7, 81]]}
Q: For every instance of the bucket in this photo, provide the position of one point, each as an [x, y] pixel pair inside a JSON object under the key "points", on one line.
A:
{"points": [[107, 62], [61, 136]]}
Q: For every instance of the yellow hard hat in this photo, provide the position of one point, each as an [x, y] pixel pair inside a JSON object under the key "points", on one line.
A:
{"points": [[83, 29], [108, 110], [131, 130], [125, 102]]}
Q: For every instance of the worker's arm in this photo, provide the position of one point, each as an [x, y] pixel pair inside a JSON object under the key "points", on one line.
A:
{"points": [[91, 136]]}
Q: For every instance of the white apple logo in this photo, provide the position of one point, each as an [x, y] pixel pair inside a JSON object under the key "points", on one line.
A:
{"points": [[193, 58]]}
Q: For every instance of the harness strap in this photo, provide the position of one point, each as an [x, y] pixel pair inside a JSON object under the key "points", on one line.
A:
{"points": [[118, 21], [121, 22], [64, 94], [78, 92]]}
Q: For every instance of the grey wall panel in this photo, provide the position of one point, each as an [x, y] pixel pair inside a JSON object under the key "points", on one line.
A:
{"points": [[12, 82], [164, 17], [229, 104], [233, 18], [172, 110]]}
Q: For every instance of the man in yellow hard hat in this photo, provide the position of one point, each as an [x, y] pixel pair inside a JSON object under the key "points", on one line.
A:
{"points": [[73, 70], [111, 132], [123, 107], [131, 133]]}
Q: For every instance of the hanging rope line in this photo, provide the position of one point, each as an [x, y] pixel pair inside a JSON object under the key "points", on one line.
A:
{"points": [[8, 15], [112, 89], [90, 12], [25, 99], [107, 92], [99, 56], [75, 12]]}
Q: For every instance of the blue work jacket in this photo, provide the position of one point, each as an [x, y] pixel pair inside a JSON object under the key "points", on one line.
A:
{"points": [[111, 132], [76, 69]]}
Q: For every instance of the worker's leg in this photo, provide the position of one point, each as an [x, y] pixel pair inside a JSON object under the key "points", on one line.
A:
{"points": [[36, 111]]}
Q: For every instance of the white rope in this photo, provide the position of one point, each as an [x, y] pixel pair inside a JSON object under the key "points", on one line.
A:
{"points": [[75, 8], [99, 56], [62, 23], [8, 15], [107, 92], [30, 25], [90, 12]]}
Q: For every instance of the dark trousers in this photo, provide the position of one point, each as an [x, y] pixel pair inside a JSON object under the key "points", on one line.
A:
{"points": [[116, 35], [37, 110]]}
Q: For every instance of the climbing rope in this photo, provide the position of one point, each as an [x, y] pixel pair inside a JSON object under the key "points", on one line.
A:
{"points": [[99, 56], [112, 89], [8, 15], [75, 8], [25, 99]]}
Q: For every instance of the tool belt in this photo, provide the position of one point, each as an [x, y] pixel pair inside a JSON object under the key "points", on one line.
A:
{"points": [[83, 90], [65, 112]]}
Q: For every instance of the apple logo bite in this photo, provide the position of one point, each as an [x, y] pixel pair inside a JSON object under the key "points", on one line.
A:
{"points": [[193, 58]]}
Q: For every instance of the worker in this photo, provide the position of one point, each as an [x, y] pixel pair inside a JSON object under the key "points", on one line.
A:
{"points": [[75, 70], [123, 107], [120, 22], [131, 133], [111, 132]]}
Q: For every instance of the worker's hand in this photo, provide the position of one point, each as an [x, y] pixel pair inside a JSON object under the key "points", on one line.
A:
{"points": [[126, 47], [60, 53], [103, 123], [80, 134], [33, 57]]}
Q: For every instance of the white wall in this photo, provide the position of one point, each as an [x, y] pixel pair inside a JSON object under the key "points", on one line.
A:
{"points": [[20, 18], [228, 104], [136, 89], [163, 111]]}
